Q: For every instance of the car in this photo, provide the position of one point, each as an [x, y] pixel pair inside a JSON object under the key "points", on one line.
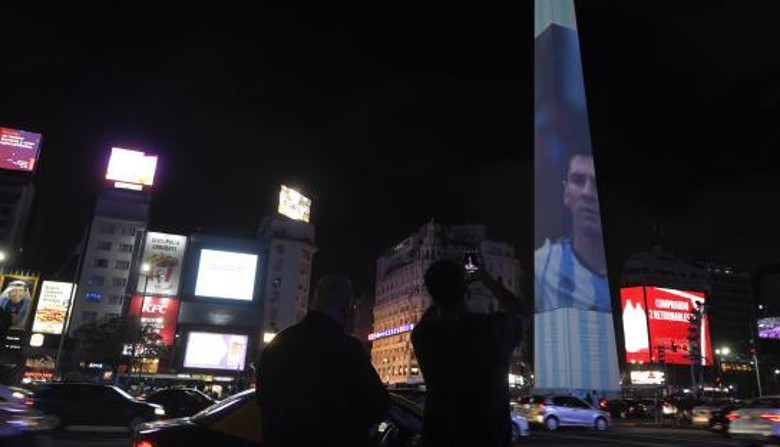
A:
{"points": [[718, 418], [712, 415], [20, 424], [15, 395], [556, 411], [235, 421], [180, 402], [758, 421], [84, 406]]}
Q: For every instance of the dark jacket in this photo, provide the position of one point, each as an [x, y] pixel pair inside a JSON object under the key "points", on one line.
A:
{"points": [[316, 387], [465, 363]]}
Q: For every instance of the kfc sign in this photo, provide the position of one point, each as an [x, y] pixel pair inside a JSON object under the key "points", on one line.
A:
{"points": [[160, 313]]}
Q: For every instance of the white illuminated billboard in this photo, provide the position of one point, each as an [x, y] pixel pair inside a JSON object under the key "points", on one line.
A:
{"points": [[52, 307], [131, 169], [294, 204], [226, 274], [208, 350]]}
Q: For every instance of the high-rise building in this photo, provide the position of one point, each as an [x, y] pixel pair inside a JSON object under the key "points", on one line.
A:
{"points": [[16, 197], [291, 249], [401, 296], [113, 239]]}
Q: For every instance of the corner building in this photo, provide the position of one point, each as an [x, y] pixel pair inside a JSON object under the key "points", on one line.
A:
{"points": [[401, 296]]}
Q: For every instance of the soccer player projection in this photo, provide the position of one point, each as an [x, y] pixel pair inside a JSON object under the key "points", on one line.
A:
{"points": [[574, 334]]}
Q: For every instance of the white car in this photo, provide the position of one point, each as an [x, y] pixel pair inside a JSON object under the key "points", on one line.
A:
{"points": [[565, 411], [519, 423], [758, 421]]}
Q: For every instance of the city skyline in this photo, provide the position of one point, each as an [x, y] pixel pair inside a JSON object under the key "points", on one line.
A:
{"points": [[389, 119]]}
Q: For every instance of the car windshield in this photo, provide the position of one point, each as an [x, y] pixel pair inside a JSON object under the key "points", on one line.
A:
{"points": [[222, 408]]}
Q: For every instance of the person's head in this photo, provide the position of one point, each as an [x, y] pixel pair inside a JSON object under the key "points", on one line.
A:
{"points": [[446, 283], [17, 291], [580, 195], [333, 296]]}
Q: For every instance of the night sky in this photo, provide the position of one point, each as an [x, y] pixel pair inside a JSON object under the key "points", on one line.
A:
{"points": [[390, 116]]}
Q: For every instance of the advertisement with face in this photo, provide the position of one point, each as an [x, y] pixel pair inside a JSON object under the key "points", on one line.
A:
{"points": [[52, 307], [162, 313], [226, 275], [128, 167], [574, 332], [16, 298], [164, 253], [668, 314], [294, 205], [18, 149], [209, 350]]}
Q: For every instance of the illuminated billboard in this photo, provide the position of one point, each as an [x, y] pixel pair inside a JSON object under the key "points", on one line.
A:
{"points": [[16, 298], [226, 275], [165, 254], [294, 204], [574, 332], [159, 312], [52, 307], [130, 169], [635, 330], [18, 149], [769, 328], [656, 317], [209, 350], [647, 377]]}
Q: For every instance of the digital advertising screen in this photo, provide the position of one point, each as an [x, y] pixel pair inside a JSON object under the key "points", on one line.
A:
{"points": [[209, 350], [52, 307], [130, 169], [636, 335], [16, 298], [769, 328], [162, 313], [165, 255], [226, 275], [18, 149], [668, 316], [294, 205], [574, 332], [647, 377]]}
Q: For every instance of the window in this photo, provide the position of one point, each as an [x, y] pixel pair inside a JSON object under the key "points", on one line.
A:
{"points": [[107, 229], [127, 248], [128, 231], [100, 263], [104, 245], [122, 265], [116, 299], [119, 282], [280, 248], [96, 280], [88, 317]]}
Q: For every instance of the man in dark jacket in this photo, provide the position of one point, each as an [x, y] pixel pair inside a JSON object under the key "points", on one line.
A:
{"points": [[464, 359], [315, 384]]}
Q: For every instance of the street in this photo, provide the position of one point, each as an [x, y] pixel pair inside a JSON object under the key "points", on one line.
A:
{"points": [[619, 435]]}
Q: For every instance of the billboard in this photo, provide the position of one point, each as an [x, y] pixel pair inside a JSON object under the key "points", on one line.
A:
{"points": [[18, 149], [130, 169], [226, 275], [162, 313], [636, 335], [647, 377], [656, 317], [52, 307], [769, 328], [574, 333], [294, 204], [165, 254], [209, 350], [16, 298]]}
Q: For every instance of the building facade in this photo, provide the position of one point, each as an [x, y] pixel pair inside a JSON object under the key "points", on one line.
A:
{"points": [[16, 199], [401, 297], [290, 247]]}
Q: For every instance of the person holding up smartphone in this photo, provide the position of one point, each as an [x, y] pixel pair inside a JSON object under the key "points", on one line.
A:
{"points": [[464, 357]]}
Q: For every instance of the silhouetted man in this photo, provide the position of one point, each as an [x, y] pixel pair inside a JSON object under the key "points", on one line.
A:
{"points": [[316, 385], [465, 361]]}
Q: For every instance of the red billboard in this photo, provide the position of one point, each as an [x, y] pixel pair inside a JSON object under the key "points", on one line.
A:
{"points": [[666, 314], [162, 313], [18, 149]]}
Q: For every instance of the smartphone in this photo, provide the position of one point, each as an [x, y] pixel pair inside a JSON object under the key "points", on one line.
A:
{"points": [[470, 262]]}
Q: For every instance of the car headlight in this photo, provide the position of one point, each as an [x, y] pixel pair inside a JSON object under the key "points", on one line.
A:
{"points": [[159, 411]]}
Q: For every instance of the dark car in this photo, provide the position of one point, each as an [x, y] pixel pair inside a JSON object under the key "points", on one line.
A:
{"points": [[235, 421], [85, 405], [180, 402], [718, 420]]}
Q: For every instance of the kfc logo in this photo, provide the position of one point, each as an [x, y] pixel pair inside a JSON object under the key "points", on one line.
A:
{"points": [[149, 308]]}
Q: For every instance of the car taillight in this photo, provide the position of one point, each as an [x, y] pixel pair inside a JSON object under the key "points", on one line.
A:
{"points": [[29, 402], [771, 417], [143, 443], [732, 416]]}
